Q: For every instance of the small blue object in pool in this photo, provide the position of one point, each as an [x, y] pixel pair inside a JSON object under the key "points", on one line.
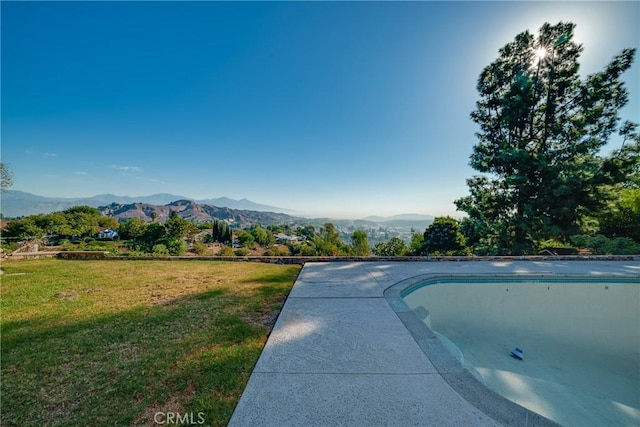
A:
{"points": [[517, 353]]}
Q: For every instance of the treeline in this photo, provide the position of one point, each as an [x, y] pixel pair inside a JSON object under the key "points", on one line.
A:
{"points": [[75, 222], [618, 234], [448, 236], [169, 238], [178, 235]]}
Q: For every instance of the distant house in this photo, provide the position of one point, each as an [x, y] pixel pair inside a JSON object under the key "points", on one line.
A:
{"points": [[203, 236], [107, 234], [282, 238]]}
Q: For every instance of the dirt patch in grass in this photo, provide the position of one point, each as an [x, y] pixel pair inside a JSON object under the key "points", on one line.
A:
{"points": [[69, 295]]}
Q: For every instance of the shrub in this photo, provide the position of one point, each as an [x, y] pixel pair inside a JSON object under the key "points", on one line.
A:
{"points": [[284, 250], [226, 251], [199, 248], [552, 243], [277, 251], [394, 247], [360, 243], [461, 252], [624, 246], [602, 245], [306, 250], [246, 239], [176, 246], [160, 249]]}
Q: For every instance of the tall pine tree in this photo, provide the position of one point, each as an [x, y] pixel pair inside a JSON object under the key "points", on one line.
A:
{"points": [[541, 131]]}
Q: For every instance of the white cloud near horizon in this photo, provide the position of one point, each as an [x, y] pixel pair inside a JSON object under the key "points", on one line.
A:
{"points": [[126, 168]]}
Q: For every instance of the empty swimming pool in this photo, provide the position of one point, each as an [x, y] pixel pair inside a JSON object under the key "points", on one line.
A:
{"points": [[580, 338]]}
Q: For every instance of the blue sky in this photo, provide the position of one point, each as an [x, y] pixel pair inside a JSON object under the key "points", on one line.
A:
{"points": [[326, 108]]}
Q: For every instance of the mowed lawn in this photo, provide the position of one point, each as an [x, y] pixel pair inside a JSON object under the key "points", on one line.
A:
{"points": [[118, 342]]}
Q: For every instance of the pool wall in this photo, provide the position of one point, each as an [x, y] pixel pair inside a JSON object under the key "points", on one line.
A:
{"points": [[569, 311]]}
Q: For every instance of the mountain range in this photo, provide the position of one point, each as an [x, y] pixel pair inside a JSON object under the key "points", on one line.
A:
{"points": [[19, 203], [14, 204]]}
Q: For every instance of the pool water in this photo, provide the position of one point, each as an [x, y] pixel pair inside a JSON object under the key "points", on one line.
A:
{"points": [[580, 339]]}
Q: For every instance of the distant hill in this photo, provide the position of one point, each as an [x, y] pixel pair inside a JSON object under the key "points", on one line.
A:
{"points": [[15, 203], [194, 211]]}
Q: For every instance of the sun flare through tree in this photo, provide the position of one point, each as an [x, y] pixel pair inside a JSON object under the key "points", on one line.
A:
{"points": [[541, 129]]}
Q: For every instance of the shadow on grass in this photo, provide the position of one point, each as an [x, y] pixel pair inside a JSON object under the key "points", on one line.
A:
{"points": [[192, 355], [280, 278]]}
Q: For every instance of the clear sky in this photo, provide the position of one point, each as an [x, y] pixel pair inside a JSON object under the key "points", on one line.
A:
{"points": [[326, 108]]}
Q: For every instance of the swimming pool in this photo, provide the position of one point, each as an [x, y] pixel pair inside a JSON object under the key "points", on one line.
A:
{"points": [[580, 337]]}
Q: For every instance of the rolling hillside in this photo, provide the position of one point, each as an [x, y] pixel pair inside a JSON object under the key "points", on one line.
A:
{"points": [[194, 211]]}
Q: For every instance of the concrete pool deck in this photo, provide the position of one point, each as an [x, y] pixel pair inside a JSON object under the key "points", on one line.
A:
{"points": [[344, 351]]}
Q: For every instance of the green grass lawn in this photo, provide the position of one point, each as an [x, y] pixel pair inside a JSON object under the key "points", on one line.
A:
{"points": [[116, 342]]}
